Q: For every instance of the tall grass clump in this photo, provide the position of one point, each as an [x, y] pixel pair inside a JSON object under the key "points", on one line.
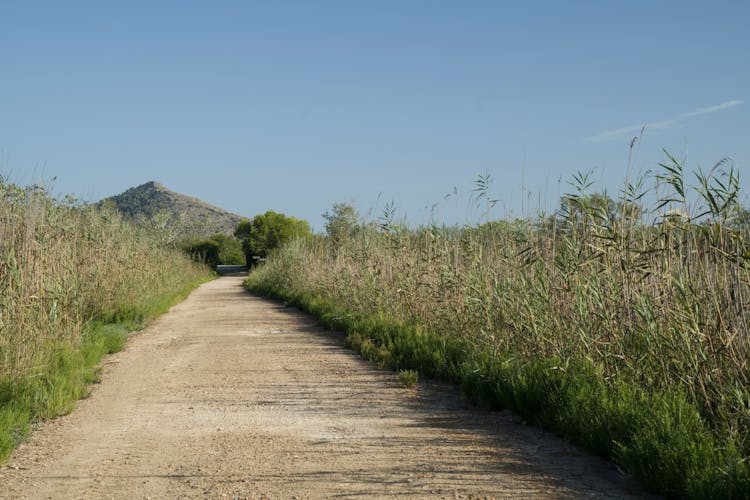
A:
{"points": [[620, 323], [73, 280]]}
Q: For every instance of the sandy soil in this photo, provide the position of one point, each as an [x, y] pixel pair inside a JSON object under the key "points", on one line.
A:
{"points": [[229, 395]]}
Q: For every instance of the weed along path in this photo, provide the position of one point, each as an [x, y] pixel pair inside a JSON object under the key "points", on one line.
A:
{"points": [[229, 395]]}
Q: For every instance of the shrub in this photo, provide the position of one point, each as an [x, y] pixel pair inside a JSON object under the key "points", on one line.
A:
{"points": [[267, 232], [205, 252], [408, 378]]}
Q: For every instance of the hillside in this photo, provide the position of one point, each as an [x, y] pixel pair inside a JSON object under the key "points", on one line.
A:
{"points": [[180, 214]]}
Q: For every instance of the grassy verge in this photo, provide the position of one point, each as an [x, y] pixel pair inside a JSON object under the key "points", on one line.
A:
{"points": [[660, 438], [70, 371], [73, 280]]}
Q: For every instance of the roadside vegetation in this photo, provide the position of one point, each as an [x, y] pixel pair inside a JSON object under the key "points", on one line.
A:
{"points": [[216, 250], [268, 231], [620, 323], [74, 279], [252, 240]]}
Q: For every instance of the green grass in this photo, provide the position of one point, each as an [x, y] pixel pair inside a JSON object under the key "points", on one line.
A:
{"points": [[69, 373], [659, 438], [408, 378]]}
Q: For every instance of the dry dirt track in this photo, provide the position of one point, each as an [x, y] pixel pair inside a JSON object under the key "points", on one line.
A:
{"points": [[233, 396]]}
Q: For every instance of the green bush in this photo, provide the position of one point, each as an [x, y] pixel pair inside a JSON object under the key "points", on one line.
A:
{"points": [[230, 250], [267, 232], [205, 252]]}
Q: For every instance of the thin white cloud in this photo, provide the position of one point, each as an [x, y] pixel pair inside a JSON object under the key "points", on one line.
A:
{"points": [[618, 133], [711, 109]]}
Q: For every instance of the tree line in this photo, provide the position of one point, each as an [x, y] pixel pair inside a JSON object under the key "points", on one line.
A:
{"points": [[252, 240]]}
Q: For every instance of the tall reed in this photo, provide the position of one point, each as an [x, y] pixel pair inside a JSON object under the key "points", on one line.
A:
{"points": [[653, 295], [63, 264]]}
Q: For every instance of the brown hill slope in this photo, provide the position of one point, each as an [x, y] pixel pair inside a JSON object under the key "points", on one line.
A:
{"points": [[182, 215]]}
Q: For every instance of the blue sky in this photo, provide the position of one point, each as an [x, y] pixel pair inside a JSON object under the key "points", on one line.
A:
{"points": [[292, 106]]}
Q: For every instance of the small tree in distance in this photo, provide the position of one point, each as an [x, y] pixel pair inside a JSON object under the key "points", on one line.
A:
{"points": [[230, 249], [342, 222], [268, 231], [204, 251], [218, 249]]}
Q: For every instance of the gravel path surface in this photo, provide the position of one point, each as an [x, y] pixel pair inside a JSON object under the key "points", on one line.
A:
{"points": [[233, 396]]}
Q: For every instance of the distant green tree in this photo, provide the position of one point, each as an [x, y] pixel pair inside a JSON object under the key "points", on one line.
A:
{"points": [[242, 231], [342, 222], [267, 232], [205, 251], [230, 249], [218, 249], [597, 207]]}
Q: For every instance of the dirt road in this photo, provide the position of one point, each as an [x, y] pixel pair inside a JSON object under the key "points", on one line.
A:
{"points": [[228, 395]]}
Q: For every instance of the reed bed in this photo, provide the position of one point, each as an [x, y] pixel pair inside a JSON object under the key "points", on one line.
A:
{"points": [[66, 269], [621, 323]]}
